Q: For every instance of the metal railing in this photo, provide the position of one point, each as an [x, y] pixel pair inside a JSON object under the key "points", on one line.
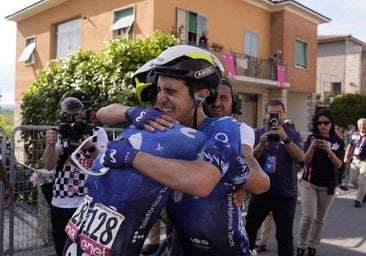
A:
{"points": [[26, 225], [246, 65]]}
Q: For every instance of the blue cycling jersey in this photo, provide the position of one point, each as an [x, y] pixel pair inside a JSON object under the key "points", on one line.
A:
{"points": [[212, 225], [133, 195]]}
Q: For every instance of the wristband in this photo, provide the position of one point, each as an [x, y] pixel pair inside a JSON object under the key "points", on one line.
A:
{"points": [[128, 113]]}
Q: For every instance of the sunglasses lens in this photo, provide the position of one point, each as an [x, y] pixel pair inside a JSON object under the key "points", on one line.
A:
{"points": [[325, 122]]}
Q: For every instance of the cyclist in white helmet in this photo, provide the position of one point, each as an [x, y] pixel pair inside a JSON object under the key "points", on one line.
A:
{"points": [[202, 210], [127, 203]]}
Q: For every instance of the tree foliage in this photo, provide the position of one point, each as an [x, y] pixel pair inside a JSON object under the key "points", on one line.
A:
{"points": [[104, 75], [348, 108], [7, 121]]}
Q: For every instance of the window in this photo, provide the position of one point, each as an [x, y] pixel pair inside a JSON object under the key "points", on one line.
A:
{"points": [[251, 43], [301, 54], [337, 88], [68, 36], [28, 55], [192, 25], [123, 22]]}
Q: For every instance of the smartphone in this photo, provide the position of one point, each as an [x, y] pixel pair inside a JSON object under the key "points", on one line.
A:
{"points": [[318, 136]]}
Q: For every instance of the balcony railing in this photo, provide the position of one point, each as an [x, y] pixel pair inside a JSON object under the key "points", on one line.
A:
{"points": [[256, 67]]}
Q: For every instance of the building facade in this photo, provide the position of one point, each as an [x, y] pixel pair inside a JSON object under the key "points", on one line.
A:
{"points": [[341, 66], [269, 47]]}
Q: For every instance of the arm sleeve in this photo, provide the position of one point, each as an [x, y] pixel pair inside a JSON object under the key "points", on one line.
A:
{"points": [[247, 134]]}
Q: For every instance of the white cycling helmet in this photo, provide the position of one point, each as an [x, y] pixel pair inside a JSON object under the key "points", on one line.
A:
{"points": [[191, 64], [142, 80]]}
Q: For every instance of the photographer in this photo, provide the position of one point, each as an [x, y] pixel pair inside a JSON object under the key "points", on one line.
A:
{"points": [[69, 184], [277, 148]]}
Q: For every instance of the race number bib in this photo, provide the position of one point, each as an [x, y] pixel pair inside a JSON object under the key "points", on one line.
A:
{"points": [[100, 230], [74, 224], [270, 165]]}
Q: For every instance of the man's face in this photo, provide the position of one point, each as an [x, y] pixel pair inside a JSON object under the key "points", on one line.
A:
{"points": [[361, 125], [222, 106], [279, 110], [174, 100]]}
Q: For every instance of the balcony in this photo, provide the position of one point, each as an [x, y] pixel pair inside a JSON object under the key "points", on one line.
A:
{"points": [[253, 67], [256, 70]]}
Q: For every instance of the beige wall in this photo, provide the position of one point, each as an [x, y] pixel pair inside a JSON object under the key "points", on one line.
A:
{"points": [[226, 22], [150, 15], [95, 31]]}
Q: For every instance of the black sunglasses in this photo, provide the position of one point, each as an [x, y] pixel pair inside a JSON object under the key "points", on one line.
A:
{"points": [[325, 122]]}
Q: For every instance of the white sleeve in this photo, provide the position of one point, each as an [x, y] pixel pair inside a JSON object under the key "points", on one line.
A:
{"points": [[247, 134], [58, 144], [102, 139]]}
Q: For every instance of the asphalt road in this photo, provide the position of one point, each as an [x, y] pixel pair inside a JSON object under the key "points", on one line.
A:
{"points": [[345, 230]]}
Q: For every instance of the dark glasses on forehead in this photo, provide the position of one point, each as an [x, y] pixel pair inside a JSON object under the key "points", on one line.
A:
{"points": [[324, 122]]}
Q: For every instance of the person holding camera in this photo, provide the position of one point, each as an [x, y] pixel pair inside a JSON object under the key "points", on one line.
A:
{"points": [[277, 148], [324, 152], [69, 183]]}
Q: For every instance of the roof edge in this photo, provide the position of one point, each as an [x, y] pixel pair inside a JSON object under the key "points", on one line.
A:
{"points": [[336, 37], [33, 9], [292, 6]]}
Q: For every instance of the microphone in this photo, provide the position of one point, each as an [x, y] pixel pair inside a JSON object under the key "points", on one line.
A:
{"points": [[71, 105]]}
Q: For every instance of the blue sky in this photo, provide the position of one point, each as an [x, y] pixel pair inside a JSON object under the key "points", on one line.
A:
{"points": [[348, 17]]}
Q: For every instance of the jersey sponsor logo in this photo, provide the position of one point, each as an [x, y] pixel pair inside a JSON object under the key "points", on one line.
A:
{"points": [[112, 154], [139, 118], [201, 243], [189, 132], [159, 147], [222, 137], [152, 208], [231, 220]]}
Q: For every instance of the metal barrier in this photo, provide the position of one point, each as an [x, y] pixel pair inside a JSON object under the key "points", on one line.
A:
{"points": [[3, 152], [26, 225]]}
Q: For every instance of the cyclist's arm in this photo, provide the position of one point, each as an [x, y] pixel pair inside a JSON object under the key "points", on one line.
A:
{"points": [[196, 177], [112, 114], [258, 181]]}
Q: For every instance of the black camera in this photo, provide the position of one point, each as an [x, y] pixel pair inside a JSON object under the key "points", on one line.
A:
{"points": [[274, 118], [70, 129], [73, 130]]}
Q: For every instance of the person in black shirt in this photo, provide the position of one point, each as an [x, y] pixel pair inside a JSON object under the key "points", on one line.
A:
{"points": [[324, 152], [277, 148]]}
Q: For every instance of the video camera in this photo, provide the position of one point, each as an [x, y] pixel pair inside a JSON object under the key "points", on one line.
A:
{"points": [[274, 118], [74, 130]]}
